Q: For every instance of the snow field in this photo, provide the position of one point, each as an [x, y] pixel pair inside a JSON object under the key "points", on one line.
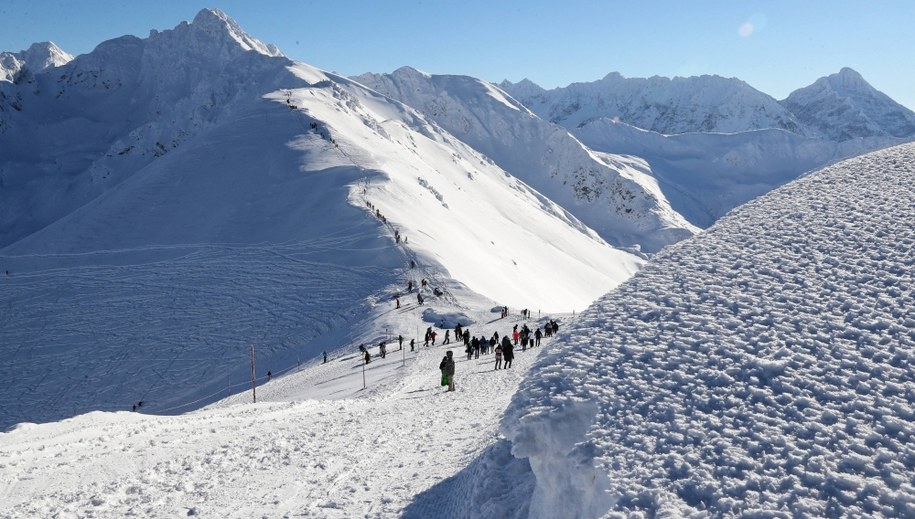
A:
{"points": [[375, 455]]}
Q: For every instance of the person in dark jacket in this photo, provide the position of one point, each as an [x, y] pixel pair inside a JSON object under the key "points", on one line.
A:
{"points": [[448, 368], [508, 351]]}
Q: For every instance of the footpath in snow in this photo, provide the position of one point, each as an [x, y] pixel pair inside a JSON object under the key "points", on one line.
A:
{"points": [[359, 453]]}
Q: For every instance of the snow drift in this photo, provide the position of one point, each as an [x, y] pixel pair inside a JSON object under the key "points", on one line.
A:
{"points": [[764, 367]]}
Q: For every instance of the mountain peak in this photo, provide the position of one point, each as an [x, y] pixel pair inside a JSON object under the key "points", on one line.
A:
{"points": [[849, 80], [38, 57], [216, 23], [844, 106]]}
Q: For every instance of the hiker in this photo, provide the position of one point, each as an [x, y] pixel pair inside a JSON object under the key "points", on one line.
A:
{"points": [[269, 376], [419, 298], [474, 347], [466, 337], [382, 349], [537, 336], [548, 329], [400, 342], [412, 344], [448, 369], [368, 356], [398, 302], [508, 351], [325, 357], [447, 337], [515, 334], [441, 367], [498, 356]]}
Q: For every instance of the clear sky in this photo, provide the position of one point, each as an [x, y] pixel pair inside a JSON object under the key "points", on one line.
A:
{"points": [[774, 45]]}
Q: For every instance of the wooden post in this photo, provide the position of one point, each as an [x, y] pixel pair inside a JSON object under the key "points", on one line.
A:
{"points": [[253, 376]]}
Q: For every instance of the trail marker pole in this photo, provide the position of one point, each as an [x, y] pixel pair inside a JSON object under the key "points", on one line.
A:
{"points": [[253, 376], [363, 372]]}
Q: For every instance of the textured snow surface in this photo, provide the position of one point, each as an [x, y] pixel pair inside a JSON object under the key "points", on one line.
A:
{"points": [[763, 368]]}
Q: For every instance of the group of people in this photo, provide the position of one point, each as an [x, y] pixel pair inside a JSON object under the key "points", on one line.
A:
{"points": [[502, 347]]}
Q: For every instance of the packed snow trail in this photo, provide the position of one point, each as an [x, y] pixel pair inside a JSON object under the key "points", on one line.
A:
{"points": [[763, 368], [367, 456]]}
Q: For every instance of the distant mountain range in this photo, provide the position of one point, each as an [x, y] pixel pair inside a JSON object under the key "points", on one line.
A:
{"points": [[839, 107], [714, 143]]}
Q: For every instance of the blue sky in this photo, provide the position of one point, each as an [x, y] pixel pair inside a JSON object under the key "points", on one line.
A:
{"points": [[775, 46]]}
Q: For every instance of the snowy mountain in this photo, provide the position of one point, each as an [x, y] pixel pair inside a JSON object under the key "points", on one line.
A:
{"points": [[659, 104], [16, 66], [762, 368], [705, 175], [614, 195], [715, 143], [844, 106], [168, 203]]}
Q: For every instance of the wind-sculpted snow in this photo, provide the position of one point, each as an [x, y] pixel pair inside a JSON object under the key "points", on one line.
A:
{"points": [[761, 369]]}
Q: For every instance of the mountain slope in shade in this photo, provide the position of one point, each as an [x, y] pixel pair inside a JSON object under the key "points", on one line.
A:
{"points": [[844, 106], [614, 195], [659, 104], [94, 122], [763, 367], [246, 200]]}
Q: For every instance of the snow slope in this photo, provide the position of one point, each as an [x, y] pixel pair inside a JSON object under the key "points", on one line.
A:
{"points": [[316, 444], [761, 369], [246, 200], [615, 195], [705, 175]]}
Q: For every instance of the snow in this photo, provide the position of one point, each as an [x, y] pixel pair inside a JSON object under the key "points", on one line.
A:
{"points": [[144, 256], [844, 106], [615, 195], [316, 444], [714, 143], [763, 368], [249, 209]]}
